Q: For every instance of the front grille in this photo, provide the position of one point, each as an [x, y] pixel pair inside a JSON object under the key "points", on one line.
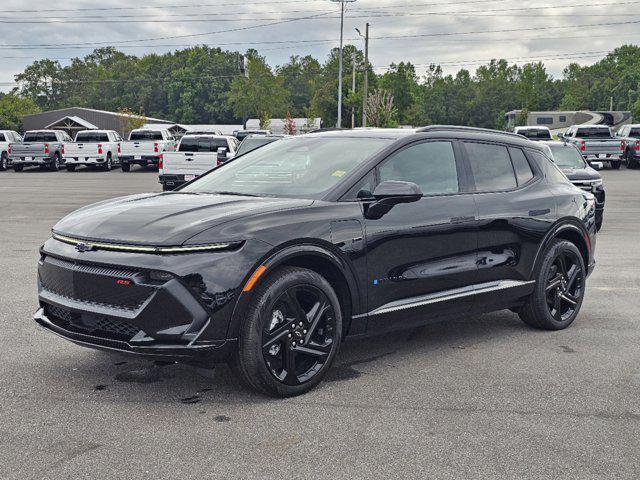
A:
{"points": [[105, 286], [96, 325]]}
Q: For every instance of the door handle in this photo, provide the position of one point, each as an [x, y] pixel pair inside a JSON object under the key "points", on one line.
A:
{"points": [[462, 219], [539, 213]]}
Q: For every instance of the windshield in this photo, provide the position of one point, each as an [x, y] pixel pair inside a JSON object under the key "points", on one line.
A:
{"points": [[201, 144], [251, 143], [145, 135], [567, 156], [303, 167], [92, 137], [594, 133], [540, 134]]}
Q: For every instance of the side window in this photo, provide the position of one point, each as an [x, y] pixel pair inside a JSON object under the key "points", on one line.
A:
{"points": [[521, 166], [491, 167], [431, 165], [2, 139]]}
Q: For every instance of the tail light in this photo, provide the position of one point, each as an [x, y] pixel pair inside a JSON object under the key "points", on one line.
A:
{"points": [[622, 146], [46, 148], [155, 148], [62, 149], [118, 148], [583, 146], [99, 149], [160, 163], [175, 147], [637, 145], [10, 148]]}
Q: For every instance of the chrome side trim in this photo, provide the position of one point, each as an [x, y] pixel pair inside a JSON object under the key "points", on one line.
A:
{"points": [[449, 295]]}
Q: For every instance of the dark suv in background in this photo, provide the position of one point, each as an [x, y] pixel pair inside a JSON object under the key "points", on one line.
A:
{"points": [[268, 262]]}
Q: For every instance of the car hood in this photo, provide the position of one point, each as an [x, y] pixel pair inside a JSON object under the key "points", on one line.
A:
{"points": [[587, 173], [164, 219]]}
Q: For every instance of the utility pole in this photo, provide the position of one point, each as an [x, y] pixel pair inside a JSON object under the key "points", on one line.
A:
{"points": [[353, 89], [366, 74], [342, 2]]}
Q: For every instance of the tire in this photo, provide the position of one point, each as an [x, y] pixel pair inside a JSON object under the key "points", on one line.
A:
{"points": [[3, 161], [54, 166], [616, 164], [632, 163], [559, 292], [166, 188], [71, 168], [125, 167], [268, 359], [18, 168], [108, 164]]}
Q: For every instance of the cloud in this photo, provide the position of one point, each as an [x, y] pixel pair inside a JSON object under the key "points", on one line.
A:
{"points": [[441, 29]]}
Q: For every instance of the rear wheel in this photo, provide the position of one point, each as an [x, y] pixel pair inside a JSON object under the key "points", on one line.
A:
{"points": [[615, 164], [54, 166], [291, 333], [632, 163], [108, 164], [125, 167], [3, 161], [71, 168], [559, 290], [18, 168]]}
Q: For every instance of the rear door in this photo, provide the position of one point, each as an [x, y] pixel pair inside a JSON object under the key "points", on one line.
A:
{"points": [[421, 256], [515, 210]]}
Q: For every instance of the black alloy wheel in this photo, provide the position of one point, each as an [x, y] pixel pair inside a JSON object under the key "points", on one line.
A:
{"points": [[564, 286], [559, 290], [291, 333], [298, 335]]}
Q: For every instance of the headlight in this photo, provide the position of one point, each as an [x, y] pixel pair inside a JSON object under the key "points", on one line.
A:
{"points": [[596, 183]]}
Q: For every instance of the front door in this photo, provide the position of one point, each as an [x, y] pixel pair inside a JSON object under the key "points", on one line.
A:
{"points": [[421, 256]]}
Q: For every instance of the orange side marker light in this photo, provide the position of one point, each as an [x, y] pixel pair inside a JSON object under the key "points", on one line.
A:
{"points": [[254, 278]]}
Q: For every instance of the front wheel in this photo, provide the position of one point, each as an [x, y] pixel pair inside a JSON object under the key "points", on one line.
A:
{"points": [[125, 167], [18, 168], [559, 290], [615, 164], [71, 168], [290, 334]]}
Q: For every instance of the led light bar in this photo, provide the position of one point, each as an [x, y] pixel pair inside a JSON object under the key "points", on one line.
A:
{"points": [[87, 246]]}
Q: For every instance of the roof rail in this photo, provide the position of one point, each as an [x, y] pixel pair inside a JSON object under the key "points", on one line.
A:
{"points": [[439, 128]]}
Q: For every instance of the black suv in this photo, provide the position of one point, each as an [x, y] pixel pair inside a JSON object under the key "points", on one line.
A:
{"points": [[270, 261]]}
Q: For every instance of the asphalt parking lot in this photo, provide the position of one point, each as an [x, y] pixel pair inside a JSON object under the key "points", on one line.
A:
{"points": [[482, 397]]}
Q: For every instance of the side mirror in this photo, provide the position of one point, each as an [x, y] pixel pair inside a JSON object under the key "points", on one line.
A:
{"points": [[222, 155], [390, 193]]}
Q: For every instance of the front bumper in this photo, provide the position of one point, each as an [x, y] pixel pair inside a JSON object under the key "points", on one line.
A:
{"points": [[196, 354]]}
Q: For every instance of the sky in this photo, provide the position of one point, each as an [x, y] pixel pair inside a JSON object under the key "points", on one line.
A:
{"points": [[456, 34]]}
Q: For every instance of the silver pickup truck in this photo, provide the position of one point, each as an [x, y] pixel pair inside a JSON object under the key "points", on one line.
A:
{"points": [[44, 148], [596, 143], [629, 135], [7, 137]]}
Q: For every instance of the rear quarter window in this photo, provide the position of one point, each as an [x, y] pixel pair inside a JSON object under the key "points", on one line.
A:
{"points": [[521, 166], [491, 167]]}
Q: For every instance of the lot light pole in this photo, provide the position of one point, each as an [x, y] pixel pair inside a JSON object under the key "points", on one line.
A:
{"points": [[342, 2], [366, 74]]}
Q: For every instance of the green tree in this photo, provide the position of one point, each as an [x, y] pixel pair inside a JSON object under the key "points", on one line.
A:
{"points": [[300, 77], [259, 93], [401, 82], [13, 108]]}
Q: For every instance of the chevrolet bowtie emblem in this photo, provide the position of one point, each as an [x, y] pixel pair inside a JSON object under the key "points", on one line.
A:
{"points": [[84, 247]]}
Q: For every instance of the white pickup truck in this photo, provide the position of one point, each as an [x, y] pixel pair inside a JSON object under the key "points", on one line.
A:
{"points": [[6, 138], [195, 155], [145, 147], [96, 148]]}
